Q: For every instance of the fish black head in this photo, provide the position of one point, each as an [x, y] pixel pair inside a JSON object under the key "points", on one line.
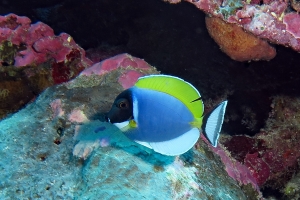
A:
{"points": [[122, 109]]}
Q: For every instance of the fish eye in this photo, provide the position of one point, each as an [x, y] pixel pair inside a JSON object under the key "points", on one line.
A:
{"points": [[123, 104]]}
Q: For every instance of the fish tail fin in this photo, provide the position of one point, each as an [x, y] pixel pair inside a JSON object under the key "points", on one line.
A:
{"points": [[212, 123]]}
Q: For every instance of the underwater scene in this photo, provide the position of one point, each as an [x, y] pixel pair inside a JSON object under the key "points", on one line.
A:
{"points": [[152, 99]]}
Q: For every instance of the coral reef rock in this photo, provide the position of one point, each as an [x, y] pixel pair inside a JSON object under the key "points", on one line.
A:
{"points": [[59, 147], [261, 18], [33, 58], [272, 155], [236, 43]]}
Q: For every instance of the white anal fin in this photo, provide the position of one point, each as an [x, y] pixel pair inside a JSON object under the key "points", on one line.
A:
{"points": [[176, 146], [213, 123], [146, 144]]}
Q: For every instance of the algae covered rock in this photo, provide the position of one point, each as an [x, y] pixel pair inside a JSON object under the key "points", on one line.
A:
{"points": [[59, 147]]}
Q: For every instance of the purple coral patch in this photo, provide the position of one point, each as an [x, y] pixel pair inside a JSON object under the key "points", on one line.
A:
{"points": [[258, 167], [121, 60], [292, 22], [129, 78]]}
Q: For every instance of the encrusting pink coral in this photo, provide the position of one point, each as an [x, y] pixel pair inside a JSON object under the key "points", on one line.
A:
{"points": [[271, 156], [57, 108], [126, 62], [234, 168], [33, 58], [78, 116], [292, 22], [122, 60], [37, 43], [265, 20]]}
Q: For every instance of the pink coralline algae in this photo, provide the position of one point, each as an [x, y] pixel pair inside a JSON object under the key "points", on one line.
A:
{"points": [[128, 78], [57, 109], [126, 62], [36, 44], [77, 116], [119, 61], [259, 169], [235, 169], [271, 156], [292, 22], [32, 58], [274, 21]]}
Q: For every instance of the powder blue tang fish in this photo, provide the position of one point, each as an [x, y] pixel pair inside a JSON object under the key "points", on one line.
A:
{"points": [[165, 113]]}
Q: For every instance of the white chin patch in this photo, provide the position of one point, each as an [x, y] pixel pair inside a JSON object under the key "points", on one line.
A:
{"points": [[122, 124]]}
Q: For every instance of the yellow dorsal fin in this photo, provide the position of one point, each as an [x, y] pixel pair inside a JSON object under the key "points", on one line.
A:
{"points": [[176, 87]]}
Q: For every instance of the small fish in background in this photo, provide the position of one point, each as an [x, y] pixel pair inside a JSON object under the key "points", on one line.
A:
{"points": [[165, 113]]}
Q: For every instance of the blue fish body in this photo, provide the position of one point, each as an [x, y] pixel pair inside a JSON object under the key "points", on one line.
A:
{"points": [[165, 113], [166, 117]]}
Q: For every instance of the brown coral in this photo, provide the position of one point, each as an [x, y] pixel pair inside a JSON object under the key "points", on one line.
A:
{"points": [[236, 43]]}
